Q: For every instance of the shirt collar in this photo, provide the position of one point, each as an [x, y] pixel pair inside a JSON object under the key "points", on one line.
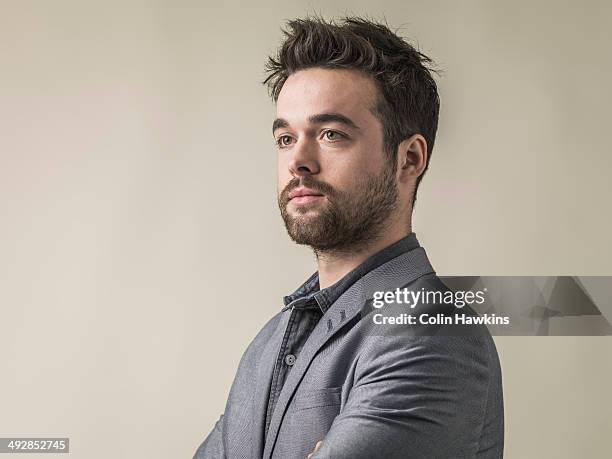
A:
{"points": [[325, 298]]}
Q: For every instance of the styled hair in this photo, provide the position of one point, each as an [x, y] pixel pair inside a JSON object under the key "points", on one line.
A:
{"points": [[408, 101]]}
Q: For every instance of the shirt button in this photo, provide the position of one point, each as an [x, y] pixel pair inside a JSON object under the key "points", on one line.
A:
{"points": [[290, 359]]}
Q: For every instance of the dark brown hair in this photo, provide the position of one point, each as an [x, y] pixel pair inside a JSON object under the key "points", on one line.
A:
{"points": [[403, 75]]}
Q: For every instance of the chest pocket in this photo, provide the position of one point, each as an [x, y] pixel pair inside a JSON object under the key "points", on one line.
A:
{"points": [[307, 421], [328, 396]]}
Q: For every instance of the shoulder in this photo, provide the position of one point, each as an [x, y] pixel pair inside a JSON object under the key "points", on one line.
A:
{"points": [[431, 327]]}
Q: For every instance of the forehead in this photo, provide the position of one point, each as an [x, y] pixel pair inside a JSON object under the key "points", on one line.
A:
{"points": [[312, 91]]}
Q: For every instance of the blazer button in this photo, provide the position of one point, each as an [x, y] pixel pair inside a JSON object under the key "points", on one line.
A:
{"points": [[290, 359]]}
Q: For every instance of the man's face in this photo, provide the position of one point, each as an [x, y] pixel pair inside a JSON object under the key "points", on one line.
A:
{"points": [[336, 187]]}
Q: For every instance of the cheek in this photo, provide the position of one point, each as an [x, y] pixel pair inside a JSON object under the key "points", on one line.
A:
{"points": [[346, 171]]}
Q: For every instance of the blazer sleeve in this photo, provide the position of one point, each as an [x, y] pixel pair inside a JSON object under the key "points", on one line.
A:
{"points": [[416, 397], [212, 446]]}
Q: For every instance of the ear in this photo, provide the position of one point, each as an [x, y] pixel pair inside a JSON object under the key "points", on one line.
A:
{"points": [[412, 158]]}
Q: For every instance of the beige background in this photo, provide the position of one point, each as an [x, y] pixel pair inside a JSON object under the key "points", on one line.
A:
{"points": [[137, 183]]}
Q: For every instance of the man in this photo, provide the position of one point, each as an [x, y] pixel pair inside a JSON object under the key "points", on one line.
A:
{"points": [[357, 112]]}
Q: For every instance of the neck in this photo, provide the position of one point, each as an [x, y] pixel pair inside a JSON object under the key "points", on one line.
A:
{"points": [[333, 266]]}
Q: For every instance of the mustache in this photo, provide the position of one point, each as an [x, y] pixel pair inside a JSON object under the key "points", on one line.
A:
{"points": [[308, 182]]}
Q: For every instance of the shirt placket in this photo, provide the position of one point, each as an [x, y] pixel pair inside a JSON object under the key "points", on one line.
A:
{"points": [[281, 366]]}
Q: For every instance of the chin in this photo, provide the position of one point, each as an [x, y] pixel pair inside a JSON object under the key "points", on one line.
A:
{"points": [[304, 210], [306, 221]]}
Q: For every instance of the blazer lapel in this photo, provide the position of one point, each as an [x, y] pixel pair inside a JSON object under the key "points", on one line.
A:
{"points": [[262, 386], [399, 271]]}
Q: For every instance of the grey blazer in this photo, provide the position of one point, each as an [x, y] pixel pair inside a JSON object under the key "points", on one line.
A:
{"points": [[365, 394]]}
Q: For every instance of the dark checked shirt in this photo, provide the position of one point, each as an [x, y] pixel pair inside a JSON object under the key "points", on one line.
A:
{"points": [[308, 304]]}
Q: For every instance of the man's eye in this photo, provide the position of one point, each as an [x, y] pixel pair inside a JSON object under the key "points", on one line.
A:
{"points": [[284, 141], [333, 136]]}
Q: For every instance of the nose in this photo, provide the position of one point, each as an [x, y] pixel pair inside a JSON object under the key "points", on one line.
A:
{"points": [[304, 158]]}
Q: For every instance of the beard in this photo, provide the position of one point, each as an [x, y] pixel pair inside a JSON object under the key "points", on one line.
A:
{"points": [[347, 220]]}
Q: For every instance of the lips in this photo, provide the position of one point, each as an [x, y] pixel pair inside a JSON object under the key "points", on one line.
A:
{"points": [[304, 192], [302, 196]]}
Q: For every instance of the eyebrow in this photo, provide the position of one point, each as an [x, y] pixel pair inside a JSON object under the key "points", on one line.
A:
{"points": [[318, 119]]}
